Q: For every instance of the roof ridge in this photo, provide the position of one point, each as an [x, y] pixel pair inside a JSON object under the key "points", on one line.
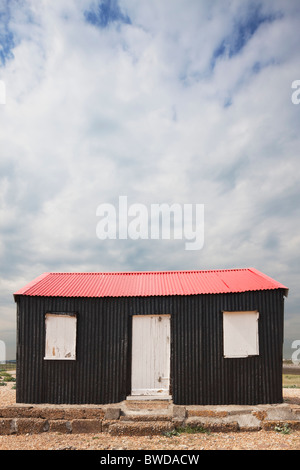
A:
{"points": [[83, 273]]}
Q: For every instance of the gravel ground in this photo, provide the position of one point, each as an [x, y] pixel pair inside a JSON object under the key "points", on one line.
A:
{"points": [[259, 440]]}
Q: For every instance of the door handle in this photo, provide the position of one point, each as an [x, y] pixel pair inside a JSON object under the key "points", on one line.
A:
{"points": [[162, 378]]}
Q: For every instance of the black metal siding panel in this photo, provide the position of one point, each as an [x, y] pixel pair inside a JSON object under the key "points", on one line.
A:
{"points": [[98, 375], [102, 370], [203, 376]]}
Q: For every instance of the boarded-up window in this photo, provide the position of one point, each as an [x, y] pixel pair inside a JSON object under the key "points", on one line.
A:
{"points": [[60, 336], [240, 333]]}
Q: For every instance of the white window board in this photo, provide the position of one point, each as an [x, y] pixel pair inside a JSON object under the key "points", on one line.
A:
{"points": [[240, 333], [60, 336]]}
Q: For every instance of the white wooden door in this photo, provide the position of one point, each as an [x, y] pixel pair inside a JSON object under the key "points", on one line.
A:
{"points": [[150, 355]]}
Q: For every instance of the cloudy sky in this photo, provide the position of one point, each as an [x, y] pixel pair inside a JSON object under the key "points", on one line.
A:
{"points": [[161, 101]]}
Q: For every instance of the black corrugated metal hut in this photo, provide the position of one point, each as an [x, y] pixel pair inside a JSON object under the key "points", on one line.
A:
{"points": [[196, 337]]}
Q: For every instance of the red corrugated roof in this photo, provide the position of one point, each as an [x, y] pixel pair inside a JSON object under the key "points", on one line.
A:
{"points": [[131, 284]]}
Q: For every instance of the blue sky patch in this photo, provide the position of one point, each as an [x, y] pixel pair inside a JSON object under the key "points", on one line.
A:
{"points": [[242, 32], [6, 37], [106, 12]]}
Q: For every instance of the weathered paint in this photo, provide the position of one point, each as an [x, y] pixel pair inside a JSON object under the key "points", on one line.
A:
{"points": [[101, 373], [150, 355], [60, 337]]}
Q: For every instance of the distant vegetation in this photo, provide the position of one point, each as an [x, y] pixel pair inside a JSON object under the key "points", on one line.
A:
{"points": [[5, 377], [291, 381], [8, 365]]}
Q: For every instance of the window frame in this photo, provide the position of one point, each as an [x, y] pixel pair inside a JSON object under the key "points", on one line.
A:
{"points": [[251, 348], [69, 343]]}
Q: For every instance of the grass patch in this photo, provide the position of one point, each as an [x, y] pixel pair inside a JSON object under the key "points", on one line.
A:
{"points": [[282, 428], [194, 430], [186, 430], [291, 381], [8, 366], [6, 377]]}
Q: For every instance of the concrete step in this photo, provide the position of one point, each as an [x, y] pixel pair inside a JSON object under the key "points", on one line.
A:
{"points": [[296, 409], [135, 416], [145, 411], [146, 404], [140, 428]]}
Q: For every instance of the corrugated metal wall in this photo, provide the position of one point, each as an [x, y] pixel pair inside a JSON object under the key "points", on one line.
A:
{"points": [[99, 374], [203, 376], [102, 370]]}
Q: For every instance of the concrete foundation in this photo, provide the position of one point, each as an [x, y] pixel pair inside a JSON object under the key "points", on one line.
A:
{"points": [[144, 417]]}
